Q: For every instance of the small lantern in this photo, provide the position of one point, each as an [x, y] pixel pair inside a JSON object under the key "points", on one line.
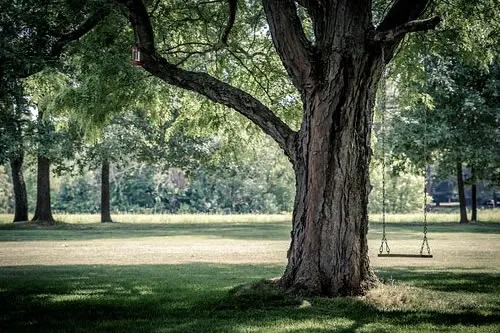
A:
{"points": [[136, 56]]}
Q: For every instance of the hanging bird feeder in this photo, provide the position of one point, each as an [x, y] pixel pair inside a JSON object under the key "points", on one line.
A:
{"points": [[137, 56]]}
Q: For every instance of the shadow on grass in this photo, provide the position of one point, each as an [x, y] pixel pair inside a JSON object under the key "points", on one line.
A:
{"points": [[200, 298], [66, 231], [445, 280], [262, 231], [441, 227]]}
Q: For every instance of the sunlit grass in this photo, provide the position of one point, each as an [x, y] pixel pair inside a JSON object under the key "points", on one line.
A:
{"points": [[166, 218], [484, 215]]}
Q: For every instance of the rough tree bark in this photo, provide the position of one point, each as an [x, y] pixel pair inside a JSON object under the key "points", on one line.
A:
{"points": [[105, 204], [461, 194], [17, 158], [43, 211], [336, 75], [20, 195]]}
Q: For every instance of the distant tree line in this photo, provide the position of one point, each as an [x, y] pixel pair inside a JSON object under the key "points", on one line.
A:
{"points": [[234, 187]]}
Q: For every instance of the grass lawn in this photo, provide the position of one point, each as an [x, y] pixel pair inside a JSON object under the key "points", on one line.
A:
{"points": [[181, 274]]}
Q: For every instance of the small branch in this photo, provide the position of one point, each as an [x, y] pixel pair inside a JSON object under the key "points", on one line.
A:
{"points": [[242, 63], [80, 31], [155, 7], [191, 54], [178, 46], [412, 26]]}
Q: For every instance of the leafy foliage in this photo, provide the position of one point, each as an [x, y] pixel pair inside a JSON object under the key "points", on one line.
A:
{"points": [[444, 107], [404, 192]]}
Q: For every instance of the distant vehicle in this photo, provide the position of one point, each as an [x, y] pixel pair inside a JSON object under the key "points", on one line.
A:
{"points": [[491, 203]]}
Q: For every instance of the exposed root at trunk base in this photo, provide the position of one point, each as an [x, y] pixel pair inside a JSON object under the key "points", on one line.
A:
{"points": [[258, 295], [303, 290], [273, 293], [43, 223]]}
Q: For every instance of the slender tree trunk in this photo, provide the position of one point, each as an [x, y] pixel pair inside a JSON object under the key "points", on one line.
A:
{"points": [[105, 201], [43, 210], [20, 195], [474, 202], [461, 194]]}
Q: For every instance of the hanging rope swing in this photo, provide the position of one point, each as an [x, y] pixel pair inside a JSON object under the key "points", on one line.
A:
{"points": [[384, 250]]}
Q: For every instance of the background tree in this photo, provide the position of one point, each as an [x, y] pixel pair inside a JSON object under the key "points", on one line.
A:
{"points": [[446, 114], [33, 35], [51, 145], [14, 117]]}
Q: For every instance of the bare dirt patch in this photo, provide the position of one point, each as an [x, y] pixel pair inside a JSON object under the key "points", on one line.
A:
{"points": [[456, 250]]}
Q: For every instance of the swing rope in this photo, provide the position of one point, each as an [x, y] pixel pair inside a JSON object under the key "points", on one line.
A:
{"points": [[383, 107], [425, 241], [384, 246]]}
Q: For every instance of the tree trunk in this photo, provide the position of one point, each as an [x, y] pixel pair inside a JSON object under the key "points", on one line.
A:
{"points": [[105, 204], [43, 210], [474, 202], [20, 195], [461, 194], [329, 251]]}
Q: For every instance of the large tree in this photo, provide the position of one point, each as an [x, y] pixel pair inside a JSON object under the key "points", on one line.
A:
{"points": [[335, 66]]}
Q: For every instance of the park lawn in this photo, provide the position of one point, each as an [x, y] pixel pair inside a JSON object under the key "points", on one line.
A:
{"points": [[188, 277]]}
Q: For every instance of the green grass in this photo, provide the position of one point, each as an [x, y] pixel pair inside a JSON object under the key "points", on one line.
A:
{"points": [[484, 215], [456, 291], [197, 298]]}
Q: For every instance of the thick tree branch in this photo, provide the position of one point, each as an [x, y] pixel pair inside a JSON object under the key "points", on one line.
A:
{"points": [[139, 18], [294, 49], [401, 13], [412, 26], [205, 84], [230, 21]]}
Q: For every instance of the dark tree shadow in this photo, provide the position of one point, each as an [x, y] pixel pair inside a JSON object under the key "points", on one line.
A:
{"points": [[210, 298], [448, 280]]}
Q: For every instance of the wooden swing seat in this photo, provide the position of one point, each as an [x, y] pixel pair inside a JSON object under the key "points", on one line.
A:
{"points": [[401, 255]]}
